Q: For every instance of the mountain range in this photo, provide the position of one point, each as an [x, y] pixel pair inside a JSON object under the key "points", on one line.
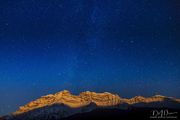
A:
{"points": [[64, 105]]}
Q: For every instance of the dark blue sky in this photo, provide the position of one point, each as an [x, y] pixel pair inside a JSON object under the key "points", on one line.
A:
{"points": [[129, 47]]}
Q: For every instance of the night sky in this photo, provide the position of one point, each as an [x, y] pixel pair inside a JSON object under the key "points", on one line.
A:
{"points": [[128, 47]]}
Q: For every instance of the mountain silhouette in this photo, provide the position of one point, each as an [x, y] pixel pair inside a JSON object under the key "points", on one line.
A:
{"points": [[91, 105]]}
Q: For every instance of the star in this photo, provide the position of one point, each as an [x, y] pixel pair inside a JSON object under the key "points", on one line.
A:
{"points": [[7, 24], [132, 41]]}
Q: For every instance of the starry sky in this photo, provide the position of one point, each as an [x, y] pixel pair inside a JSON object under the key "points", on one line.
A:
{"points": [[128, 47]]}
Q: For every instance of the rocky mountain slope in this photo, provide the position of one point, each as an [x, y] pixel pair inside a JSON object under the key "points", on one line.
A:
{"points": [[72, 101], [64, 104]]}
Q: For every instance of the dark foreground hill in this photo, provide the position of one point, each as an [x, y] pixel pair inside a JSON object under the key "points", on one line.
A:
{"points": [[131, 114]]}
